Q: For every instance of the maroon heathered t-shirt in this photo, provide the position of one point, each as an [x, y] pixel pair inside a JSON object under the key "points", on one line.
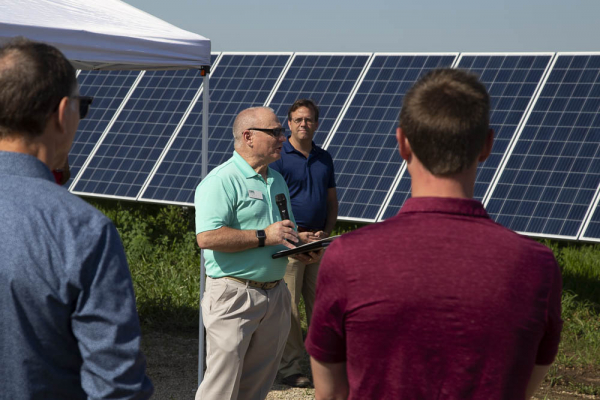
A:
{"points": [[438, 302]]}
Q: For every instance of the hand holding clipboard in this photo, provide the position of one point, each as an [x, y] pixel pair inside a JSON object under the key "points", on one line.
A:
{"points": [[312, 246]]}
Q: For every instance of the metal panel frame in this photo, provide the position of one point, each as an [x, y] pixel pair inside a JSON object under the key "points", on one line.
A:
{"points": [[588, 218]]}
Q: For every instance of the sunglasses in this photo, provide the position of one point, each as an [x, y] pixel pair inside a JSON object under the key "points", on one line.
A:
{"points": [[275, 132], [84, 105]]}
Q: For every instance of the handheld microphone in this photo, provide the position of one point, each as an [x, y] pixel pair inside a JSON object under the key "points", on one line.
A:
{"points": [[282, 205]]}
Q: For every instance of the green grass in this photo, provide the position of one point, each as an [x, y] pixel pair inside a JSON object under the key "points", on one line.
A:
{"points": [[165, 264], [164, 261], [580, 265]]}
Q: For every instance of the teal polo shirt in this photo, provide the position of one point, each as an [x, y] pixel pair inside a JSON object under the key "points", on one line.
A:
{"points": [[234, 195]]}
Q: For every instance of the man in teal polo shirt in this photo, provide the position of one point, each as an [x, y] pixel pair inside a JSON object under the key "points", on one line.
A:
{"points": [[246, 306]]}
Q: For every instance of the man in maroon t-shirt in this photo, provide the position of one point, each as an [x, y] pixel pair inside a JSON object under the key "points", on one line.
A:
{"points": [[438, 302]]}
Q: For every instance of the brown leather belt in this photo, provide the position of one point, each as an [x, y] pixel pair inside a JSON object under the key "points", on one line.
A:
{"points": [[255, 284], [303, 229]]}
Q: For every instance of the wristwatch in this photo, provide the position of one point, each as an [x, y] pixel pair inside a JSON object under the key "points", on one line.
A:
{"points": [[260, 234]]}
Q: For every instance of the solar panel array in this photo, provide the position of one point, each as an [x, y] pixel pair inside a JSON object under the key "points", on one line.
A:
{"points": [[511, 81], [109, 89], [238, 81], [363, 146], [142, 138], [328, 79], [129, 151], [552, 174]]}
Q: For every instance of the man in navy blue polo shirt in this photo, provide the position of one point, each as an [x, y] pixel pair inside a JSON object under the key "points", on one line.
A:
{"points": [[308, 172]]}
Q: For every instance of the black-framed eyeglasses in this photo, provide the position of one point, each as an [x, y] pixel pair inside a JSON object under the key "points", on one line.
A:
{"points": [[298, 121], [84, 105], [275, 132]]}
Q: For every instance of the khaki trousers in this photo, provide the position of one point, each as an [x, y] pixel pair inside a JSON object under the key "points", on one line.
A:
{"points": [[301, 279], [246, 330]]}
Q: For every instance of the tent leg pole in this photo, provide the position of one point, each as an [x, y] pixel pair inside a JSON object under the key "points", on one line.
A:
{"points": [[205, 103], [201, 343]]}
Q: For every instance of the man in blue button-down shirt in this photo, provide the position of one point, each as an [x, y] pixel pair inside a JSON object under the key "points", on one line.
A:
{"points": [[68, 323]]}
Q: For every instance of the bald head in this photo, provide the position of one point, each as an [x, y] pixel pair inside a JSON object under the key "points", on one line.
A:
{"points": [[249, 118]]}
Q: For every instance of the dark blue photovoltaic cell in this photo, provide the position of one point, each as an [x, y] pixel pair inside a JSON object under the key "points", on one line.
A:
{"points": [[108, 89], [511, 81], [364, 147], [239, 81], [327, 79], [554, 169], [135, 142]]}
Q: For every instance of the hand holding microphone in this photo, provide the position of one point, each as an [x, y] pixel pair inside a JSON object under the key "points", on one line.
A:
{"points": [[282, 232], [306, 258]]}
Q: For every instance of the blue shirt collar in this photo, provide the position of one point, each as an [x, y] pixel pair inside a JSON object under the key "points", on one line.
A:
{"points": [[19, 164], [288, 148]]}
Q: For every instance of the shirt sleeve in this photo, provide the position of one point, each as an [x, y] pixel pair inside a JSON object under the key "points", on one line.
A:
{"points": [[326, 341], [214, 205], [106, 326], [548, 347]]}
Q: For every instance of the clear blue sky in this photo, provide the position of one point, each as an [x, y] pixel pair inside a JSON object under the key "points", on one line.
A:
{"points": [[386, 25]]}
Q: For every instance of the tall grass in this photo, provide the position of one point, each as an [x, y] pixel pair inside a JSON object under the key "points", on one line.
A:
{"points": [[165, 264], [580, 265], [164, 261]]}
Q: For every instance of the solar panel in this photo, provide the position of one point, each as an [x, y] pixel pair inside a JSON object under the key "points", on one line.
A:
{"points": [[237, 82], [129, 151], [364, 146], [553, 171], [328, 79], [511, 81], [591, 230], [108, 88]]}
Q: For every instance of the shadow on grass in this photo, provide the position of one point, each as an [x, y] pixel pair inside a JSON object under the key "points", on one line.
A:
{"points": [[587, 289], [162, 315]]}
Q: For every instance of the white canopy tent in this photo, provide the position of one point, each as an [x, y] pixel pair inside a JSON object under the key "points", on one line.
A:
{"points": [[107, 34], [112, 35]]}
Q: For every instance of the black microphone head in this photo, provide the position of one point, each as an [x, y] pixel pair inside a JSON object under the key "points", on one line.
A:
{"points": [[280, 198], [281, 202]]}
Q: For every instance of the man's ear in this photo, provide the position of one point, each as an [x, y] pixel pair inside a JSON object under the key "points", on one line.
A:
{"points": [[487, 147], [247, 137], [62, 113], [403, 145]]}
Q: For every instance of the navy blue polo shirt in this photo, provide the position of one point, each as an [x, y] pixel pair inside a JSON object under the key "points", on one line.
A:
{"points": [[308, 180]]}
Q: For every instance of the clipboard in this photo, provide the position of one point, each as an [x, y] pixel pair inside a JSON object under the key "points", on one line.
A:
{"points": [[312, 246]]}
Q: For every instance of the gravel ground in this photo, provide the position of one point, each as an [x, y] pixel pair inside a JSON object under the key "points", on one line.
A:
{"points": [[173, 367]]}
